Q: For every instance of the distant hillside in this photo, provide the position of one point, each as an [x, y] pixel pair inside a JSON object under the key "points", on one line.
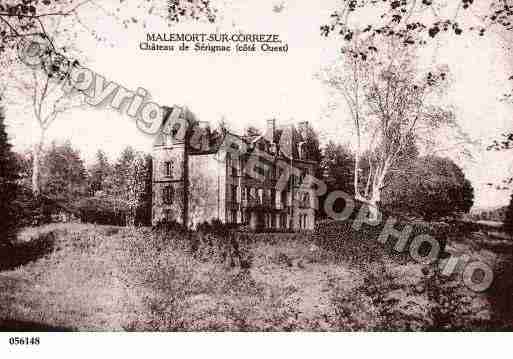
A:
{"points": [[496, 214]]}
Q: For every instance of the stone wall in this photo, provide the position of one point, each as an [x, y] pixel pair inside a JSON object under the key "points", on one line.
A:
{"points": [[176, 211], [206, 184]]}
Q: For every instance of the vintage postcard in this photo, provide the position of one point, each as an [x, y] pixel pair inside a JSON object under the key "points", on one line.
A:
{"points": [[255, 166]]}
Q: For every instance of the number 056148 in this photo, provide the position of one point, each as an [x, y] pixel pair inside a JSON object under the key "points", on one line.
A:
{"points": [[24, 341]]}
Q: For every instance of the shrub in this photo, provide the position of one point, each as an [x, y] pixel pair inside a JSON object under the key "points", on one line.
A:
{"points": [[363, 245], [375, 305], [100, 211]]}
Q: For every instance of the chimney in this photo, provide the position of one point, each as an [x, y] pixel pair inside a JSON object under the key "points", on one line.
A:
{"points": [[203, 135], [271, 128]]}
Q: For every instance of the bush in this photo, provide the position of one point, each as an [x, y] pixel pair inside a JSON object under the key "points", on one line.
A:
{"points": [[363, 245], [100, 211], [9, 189], [10, 220], [36, 211]]}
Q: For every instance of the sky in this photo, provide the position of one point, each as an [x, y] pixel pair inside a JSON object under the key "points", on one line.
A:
{"points": [[247, 89]]}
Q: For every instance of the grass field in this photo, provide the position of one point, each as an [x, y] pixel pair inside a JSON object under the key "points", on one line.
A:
{"points": [[96, 278]]}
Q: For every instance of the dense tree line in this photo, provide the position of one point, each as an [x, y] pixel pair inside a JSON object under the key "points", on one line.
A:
{"points": [[120, 192], [105, 193], [9, 188], [365, 28], [428, 187]]}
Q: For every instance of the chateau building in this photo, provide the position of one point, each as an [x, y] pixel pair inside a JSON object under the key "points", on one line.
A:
{"points": [[258, 181]]}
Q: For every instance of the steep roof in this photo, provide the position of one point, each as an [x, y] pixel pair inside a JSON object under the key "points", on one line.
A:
{"points": [[286, 139]]}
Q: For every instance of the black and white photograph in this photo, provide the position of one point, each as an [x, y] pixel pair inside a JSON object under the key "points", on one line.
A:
{"points": [[255, 166]]}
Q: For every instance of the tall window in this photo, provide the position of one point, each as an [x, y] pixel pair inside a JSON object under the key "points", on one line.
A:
{"points": [[306, 200], [228, 163], [235, 170], [261, 195], [168, 194], [168, 168], [234, 193], [284, 198]]}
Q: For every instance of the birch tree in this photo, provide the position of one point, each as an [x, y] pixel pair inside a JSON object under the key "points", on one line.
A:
{"points": [[424, 23], [391, 104], [47, 102]]}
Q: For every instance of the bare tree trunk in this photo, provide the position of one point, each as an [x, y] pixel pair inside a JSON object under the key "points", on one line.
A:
{"points": [[377, 186], [356, 170], [373, 204], [36, 166]]}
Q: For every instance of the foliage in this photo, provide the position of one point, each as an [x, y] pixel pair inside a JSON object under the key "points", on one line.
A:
{"points": [[9, 188], [391, 103], [451, 306], [167, 285], [337, 167], [143, 212], [504, 144], [508, 220], [312, 147], [430, 187], [99, 173], [63, 173], [131, 173], [413, 23], [101, 210], [21, 19]]}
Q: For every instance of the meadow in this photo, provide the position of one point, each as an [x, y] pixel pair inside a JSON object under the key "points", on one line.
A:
{"points": [[102, 278]]}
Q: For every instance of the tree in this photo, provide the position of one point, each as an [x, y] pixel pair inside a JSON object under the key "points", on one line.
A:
{"points": [[42, 28], [337, 171], [391, 105], [312, 147], [99, 173], [39, 81], [508, 220], [145, 207], [48, 101], [430, 187], [9, 188], [417, 23], [130, 177], [337, 165], [63, 173]]}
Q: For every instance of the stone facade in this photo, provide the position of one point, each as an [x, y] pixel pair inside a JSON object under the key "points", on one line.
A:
{"points": [[255, 181]]}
